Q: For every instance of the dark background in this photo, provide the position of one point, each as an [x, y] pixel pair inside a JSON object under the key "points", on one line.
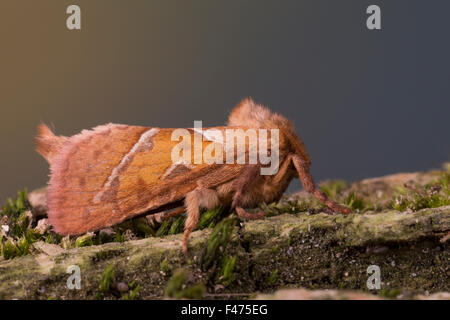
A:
{"points": [[366, 103]]}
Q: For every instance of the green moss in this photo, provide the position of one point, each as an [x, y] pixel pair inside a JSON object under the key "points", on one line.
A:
{"points": [[290, 206], [165, 267], [119, 237], [21, 235], [334, 188], [226, 272], [139, 227], [142, 228], [19, 228], [273, 277], [196, 291], [390, 293], [107, 254], [178, 289], [84, 240], [177, 225], [210, 218], [9, 250], [164, 228], [174, 286], [16, 248], [433, 195], [217, 241], [14, 207], [172, 225], [107, 278], [354, 202], [24, 246], [134, 292], [51, 239], [340, 191]]}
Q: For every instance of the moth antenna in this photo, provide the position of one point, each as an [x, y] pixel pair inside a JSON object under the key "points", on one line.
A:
{"points": [[48, 144]]}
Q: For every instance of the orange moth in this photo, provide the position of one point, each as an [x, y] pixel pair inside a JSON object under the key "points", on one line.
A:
{"points": [[114, 172]]}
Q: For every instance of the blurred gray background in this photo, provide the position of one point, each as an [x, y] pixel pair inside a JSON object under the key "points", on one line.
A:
{"points": [[366, 103]]}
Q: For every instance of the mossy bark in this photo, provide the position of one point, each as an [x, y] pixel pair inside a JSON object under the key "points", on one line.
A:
{"points": [[289, 250]]}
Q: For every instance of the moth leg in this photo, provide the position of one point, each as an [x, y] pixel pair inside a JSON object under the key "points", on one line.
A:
{"points": [[283, 170], [308, 183], [242, 183], [155, 218], [199, 197], [173, 213], [243, 214]]}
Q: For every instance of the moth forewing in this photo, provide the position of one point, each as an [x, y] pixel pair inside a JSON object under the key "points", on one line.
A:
{"points": [[112, 173]]}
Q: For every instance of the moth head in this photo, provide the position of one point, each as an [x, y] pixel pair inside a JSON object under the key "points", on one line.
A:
{"points": [[250, 114]]}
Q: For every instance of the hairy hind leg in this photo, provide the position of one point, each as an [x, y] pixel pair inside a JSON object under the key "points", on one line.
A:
{"points": [[308, 183], [199, 197]]}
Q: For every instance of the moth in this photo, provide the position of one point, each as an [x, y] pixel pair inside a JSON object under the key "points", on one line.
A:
{"points": [[114, 172]]}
